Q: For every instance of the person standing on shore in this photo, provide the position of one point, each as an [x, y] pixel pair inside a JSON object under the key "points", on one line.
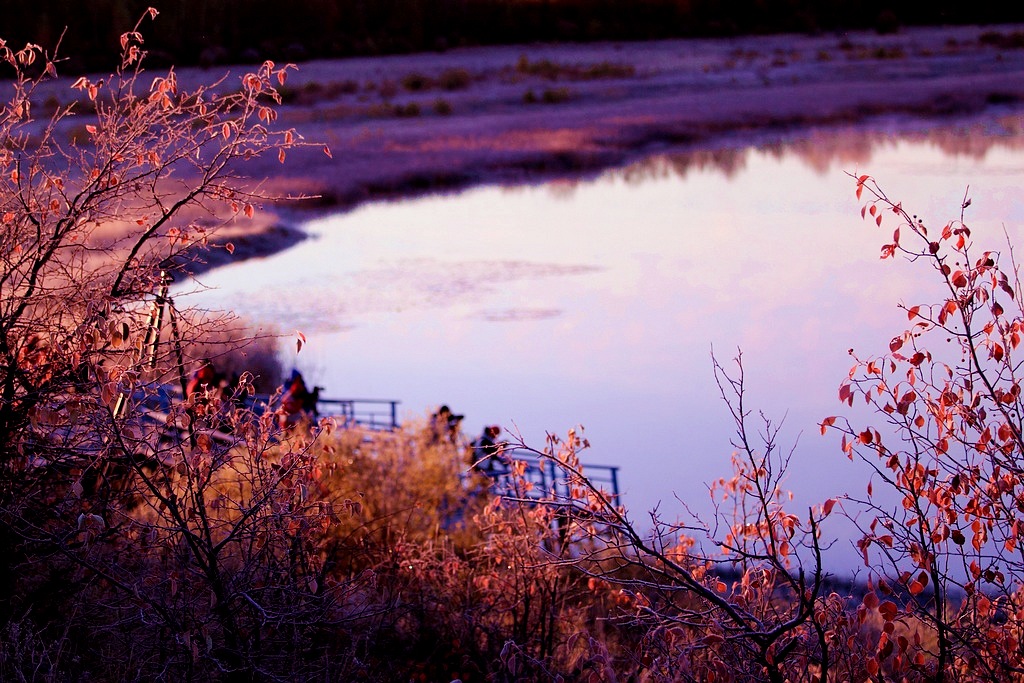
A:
{"points": [[484, 451], [444, 426]]}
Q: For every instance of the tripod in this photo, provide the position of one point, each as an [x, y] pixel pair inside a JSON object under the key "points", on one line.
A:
{"points": [[163, 306]]}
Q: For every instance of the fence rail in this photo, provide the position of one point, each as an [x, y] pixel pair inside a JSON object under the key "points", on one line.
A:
{"points": [[546, 479], [371, 413]]}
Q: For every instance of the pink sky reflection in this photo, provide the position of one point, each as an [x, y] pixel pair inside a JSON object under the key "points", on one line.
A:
{"points": [[598, 303]]}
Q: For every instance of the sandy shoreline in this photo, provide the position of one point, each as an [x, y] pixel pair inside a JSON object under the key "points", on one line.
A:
{"points": [[405, 125]]}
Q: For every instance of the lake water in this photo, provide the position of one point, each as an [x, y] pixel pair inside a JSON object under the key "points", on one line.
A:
{"points": [[599, 302]]}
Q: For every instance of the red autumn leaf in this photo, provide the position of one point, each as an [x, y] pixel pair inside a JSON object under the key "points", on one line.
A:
{"points": [[959, 279], [825, 424], [888, 610], [895, 344], [913, 312], [1004, 432]]}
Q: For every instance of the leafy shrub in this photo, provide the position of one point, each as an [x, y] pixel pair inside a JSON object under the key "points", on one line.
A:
{"points": [[417, 82], [442, 107], [455, 79], [1007, 41], [547, 96], [552, 71], [555, 95], [408, 110]]}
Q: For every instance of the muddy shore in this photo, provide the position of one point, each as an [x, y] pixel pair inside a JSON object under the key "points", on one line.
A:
{"points": [[412, 124], [406, 125]]}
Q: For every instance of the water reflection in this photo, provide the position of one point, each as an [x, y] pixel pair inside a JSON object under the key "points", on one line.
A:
{"points": [[599, 302], [825, 148]]}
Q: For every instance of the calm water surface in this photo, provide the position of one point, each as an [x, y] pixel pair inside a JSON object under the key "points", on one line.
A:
{"points": [[598, 303]]}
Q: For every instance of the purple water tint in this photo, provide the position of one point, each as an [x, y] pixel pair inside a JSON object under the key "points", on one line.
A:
{"points": [[598, 302]]}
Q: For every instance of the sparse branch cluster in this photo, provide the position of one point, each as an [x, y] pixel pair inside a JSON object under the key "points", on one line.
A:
{"points": [[943, 530]]}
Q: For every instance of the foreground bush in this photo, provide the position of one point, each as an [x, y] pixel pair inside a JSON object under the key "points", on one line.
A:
{"points": [[744, 597]]}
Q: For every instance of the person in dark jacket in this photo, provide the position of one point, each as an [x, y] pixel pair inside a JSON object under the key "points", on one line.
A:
{"points": [[444, 426], [486, 449]]}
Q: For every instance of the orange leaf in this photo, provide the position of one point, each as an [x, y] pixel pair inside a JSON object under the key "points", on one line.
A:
{"points": [[825, 424]]}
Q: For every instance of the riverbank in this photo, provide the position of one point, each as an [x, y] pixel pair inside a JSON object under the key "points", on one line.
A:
{"points": [[407, 125]]}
